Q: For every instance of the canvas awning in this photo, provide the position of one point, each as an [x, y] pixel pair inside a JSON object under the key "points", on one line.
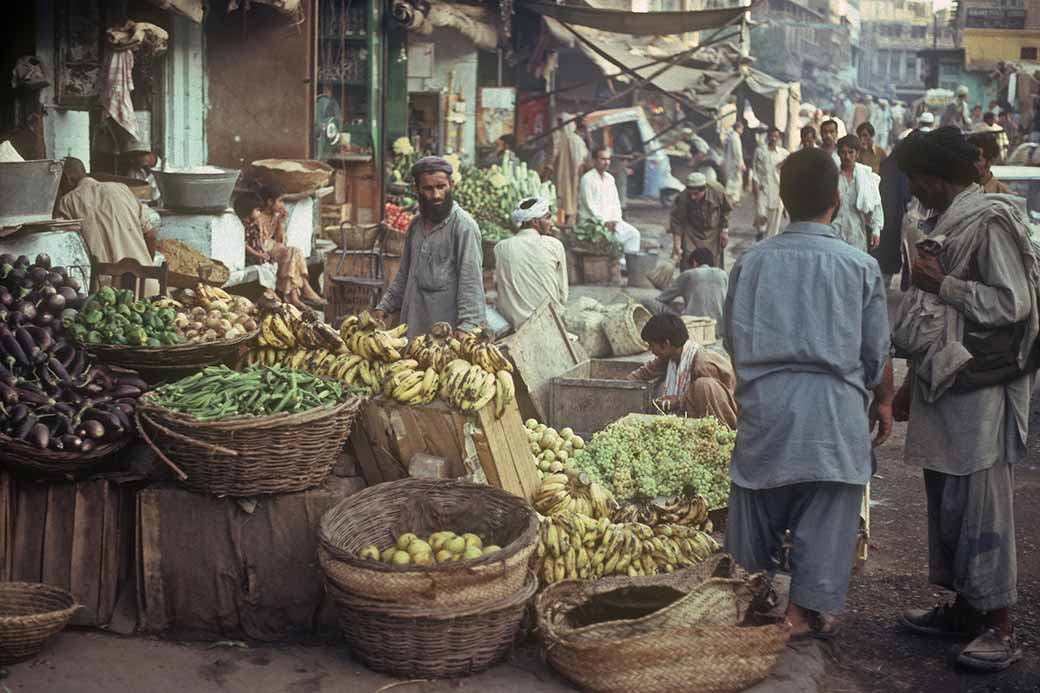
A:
{"points": [[636, 23], [192, 9]]}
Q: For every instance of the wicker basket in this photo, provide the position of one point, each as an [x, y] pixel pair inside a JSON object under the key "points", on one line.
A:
{"points": [[30, 613], [379, 513], [250, 456], [155, 363], [637, 634], [29, 459], [442, 642], [393, 243], [623, 326], [359, 236]]}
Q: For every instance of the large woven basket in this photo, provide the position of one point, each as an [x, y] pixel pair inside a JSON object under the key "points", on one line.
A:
{"points": [[443, 642], [155, 363], [26, 458], [379, 513], [641, 634], [250, 456], [30, 613]]}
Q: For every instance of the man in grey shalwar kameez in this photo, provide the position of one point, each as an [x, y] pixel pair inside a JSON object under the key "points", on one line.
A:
{"points": [[967, 422], [441, 277], [807, 326]]}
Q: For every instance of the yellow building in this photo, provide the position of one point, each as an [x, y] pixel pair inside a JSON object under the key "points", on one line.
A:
{"points": [[984, 48]]}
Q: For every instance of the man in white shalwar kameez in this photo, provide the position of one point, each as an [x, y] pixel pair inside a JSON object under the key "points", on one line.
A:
{"points": [[860, 217], [598, 199], [733, 165], [769, 209]]}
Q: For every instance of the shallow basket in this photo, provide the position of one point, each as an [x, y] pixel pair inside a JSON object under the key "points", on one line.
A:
{"points": [[26, 458], [376, 515], [685, 631], [175, 361], [441, 642], [30, 613], [250, 456]]}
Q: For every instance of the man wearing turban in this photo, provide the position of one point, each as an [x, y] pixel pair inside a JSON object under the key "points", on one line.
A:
{"points": [[968, 326], [441, 277], [530, 267]]}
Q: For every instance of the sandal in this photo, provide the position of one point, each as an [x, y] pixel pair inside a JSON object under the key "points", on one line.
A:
{"points": [[948, 621], [820, 628], [991, 651]]}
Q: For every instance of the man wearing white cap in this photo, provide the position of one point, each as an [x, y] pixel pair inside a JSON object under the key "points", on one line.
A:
{"points": [[700, 219], [957, 113], [598, 199], [530, 267], [926, 123]]}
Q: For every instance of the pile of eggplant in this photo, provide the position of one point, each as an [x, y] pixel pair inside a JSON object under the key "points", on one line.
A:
{"points": [[51, 396]]}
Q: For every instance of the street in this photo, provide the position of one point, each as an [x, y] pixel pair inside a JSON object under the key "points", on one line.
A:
{"points": [[872, 653]]}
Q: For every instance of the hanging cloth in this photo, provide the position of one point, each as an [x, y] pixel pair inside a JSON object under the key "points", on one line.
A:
{"points": [[116, 88]]}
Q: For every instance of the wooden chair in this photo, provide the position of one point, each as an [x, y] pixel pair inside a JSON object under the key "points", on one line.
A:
{"points": [[357, 281], [128, 273]]}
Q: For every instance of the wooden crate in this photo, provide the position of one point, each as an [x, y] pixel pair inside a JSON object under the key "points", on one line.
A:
{"points": [[389, 433], [594, 394], [73, 535]]}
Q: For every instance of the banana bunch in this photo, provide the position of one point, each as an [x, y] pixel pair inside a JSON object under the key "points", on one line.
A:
{"points": [[469, 387], [572, 546], [265, 356], [409, 384], [364, 336], [433, 350], [313, 333], [276, 329], [206, 294], [573, 492], [477, 348], [688, 510]]}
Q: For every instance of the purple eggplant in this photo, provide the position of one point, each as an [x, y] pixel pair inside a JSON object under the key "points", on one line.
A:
{"points": [[30, 397], [91, 428], [22, 428], [71, 442], [54, 366], [10, 345], [40, 436], [41, 336], [8, 395], [43, 260]]}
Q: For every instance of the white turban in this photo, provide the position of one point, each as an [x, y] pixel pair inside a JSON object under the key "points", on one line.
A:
{"points": [[528, 210]]}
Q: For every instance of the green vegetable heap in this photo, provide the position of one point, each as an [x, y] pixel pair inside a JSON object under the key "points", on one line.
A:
{"points": [[113, 316], [492, 194], [661, 457], [592, 235], [220, 393]]}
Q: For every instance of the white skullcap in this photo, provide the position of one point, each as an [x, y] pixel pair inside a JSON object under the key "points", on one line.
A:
{"points": [[696, 180], [528, 210], [926, 118]]}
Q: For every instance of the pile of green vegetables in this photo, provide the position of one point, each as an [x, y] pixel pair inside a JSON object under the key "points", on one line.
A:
{"points": [[664, 456], [218, 393], [114, 316], [593, 236], [492, 194]]}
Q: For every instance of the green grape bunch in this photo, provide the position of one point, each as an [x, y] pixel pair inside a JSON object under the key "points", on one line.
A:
{"points": [[663, 456]]}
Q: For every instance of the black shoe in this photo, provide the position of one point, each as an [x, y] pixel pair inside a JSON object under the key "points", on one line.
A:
{"points": [[941, 621], [991, 651]]}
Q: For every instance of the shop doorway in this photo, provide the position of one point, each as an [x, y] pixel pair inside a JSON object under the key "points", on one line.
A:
{"points": [[424, 121]]}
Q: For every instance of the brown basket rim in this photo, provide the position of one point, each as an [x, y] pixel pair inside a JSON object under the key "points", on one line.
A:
{"points": [[37, 588], [19, 455], [177, 349], [239, 423], [440, 613], [528, 536]]}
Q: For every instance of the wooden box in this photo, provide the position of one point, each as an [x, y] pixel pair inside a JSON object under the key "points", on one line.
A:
{"points": [[596, 393], [387, 434], [73, 535]]}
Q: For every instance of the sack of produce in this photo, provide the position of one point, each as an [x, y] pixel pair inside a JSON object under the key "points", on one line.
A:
{"points": [[637, 634], [425, 542], [252, 432], [585, 319]]}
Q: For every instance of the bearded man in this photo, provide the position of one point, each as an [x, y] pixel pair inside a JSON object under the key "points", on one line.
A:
{"points": [[441, 277]]}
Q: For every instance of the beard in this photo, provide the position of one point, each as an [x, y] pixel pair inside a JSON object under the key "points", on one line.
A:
{"points": [[435, 212]]}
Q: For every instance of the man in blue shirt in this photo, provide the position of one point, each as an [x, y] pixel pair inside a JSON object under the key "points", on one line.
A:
{"points": [[807, 327]]}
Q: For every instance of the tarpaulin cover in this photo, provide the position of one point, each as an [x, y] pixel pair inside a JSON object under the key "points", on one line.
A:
{"points": [[635, 23], [192, 9], [208, 568]]}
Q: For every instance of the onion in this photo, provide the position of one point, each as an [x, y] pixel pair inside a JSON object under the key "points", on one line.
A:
{"points": [[56, 303], [38, 275], [67, 293], [73, 284]]}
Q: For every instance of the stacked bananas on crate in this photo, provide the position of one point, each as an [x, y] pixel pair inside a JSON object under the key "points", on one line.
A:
{"points": [[571, 491], [433, 350], [470, 386], [366, 337], [687, 509], [572, 546]]}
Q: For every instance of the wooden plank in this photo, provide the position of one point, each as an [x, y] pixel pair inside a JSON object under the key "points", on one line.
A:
{"points": [[363, 452], [110, 550], [506, 453], [151, 597], [7, 516], [30, 521], [86, 539], [57, 566]]}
